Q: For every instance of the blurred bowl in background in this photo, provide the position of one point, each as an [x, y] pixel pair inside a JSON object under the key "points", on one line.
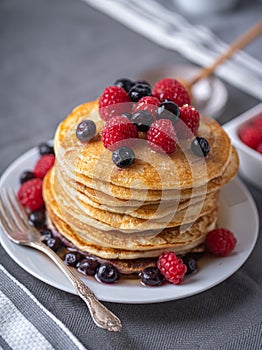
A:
{"points": [[250, 160]]}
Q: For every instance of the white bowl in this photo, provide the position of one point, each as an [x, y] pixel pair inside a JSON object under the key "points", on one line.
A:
{"points": [[250, 160]]}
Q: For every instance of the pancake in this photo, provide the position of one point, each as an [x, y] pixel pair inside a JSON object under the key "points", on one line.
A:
{"points": [[124, 266], [107, 193], [150, 168], [167, 240], [142, 210], [80, 213]]}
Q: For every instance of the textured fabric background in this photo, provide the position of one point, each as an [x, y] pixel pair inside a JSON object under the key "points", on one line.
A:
{"points": [[56, 54], [26, 324]]}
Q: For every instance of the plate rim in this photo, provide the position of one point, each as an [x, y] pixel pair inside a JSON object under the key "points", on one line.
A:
{"points": [[110, 298]]}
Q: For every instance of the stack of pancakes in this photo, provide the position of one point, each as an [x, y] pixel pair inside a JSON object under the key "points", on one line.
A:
{"points": [[161, 202]]}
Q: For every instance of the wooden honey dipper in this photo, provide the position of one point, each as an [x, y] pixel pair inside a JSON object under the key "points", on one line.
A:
{"points": [[241, 42]]}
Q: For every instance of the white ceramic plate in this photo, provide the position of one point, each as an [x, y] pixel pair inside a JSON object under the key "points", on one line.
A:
{"points": [[238, 213], [210, 95]]}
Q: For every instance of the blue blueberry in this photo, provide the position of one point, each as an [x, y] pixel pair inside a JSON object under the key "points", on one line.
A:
{"points": [[88, 266], [26, 176], [168, 110], [143, 82], [72, 258], [138, 91], [142, 119], [151, 276], [127, 115], [107, 273], [123, 157], [54, 243], [200, 147], [46, 234], [86, 130], [124, 83], [190, 263], [37, 218], [44, 149]]}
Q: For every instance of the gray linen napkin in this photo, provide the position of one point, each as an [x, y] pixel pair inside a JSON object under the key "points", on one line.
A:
{"points": [[197, 43], [24, 322]]}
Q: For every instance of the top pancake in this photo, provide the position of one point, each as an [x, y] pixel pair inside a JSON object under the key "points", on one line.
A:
{"points": [[150, 170], [112, 195]]}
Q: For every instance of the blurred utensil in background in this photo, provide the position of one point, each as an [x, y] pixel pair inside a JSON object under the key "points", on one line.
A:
{"points": [[207, 100], [161, 23], [241, 42], [204, 7]]}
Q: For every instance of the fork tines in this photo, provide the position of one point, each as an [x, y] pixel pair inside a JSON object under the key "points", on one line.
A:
{"points": [[12, 214]]}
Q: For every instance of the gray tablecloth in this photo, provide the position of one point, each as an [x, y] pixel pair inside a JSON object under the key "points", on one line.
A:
{"points": [[57, 54]]}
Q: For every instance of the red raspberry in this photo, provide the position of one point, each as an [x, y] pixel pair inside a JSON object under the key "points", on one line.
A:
{"points": [[257, 122], [30, 194], [43, 165], [113, 101], [259, 148], [220, 241], [172, 267], [189, 122], [147, 103], [172, 90], [161, 136], [251, 136], [117, 132]]}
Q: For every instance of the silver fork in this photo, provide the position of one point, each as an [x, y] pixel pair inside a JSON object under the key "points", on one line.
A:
{"points": [[15, 224]]}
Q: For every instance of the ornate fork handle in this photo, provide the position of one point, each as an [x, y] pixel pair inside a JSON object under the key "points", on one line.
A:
{"points": [[102, 317]]}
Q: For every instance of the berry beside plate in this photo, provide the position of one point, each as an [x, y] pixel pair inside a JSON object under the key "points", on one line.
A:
{"points": [[251, 133]]}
